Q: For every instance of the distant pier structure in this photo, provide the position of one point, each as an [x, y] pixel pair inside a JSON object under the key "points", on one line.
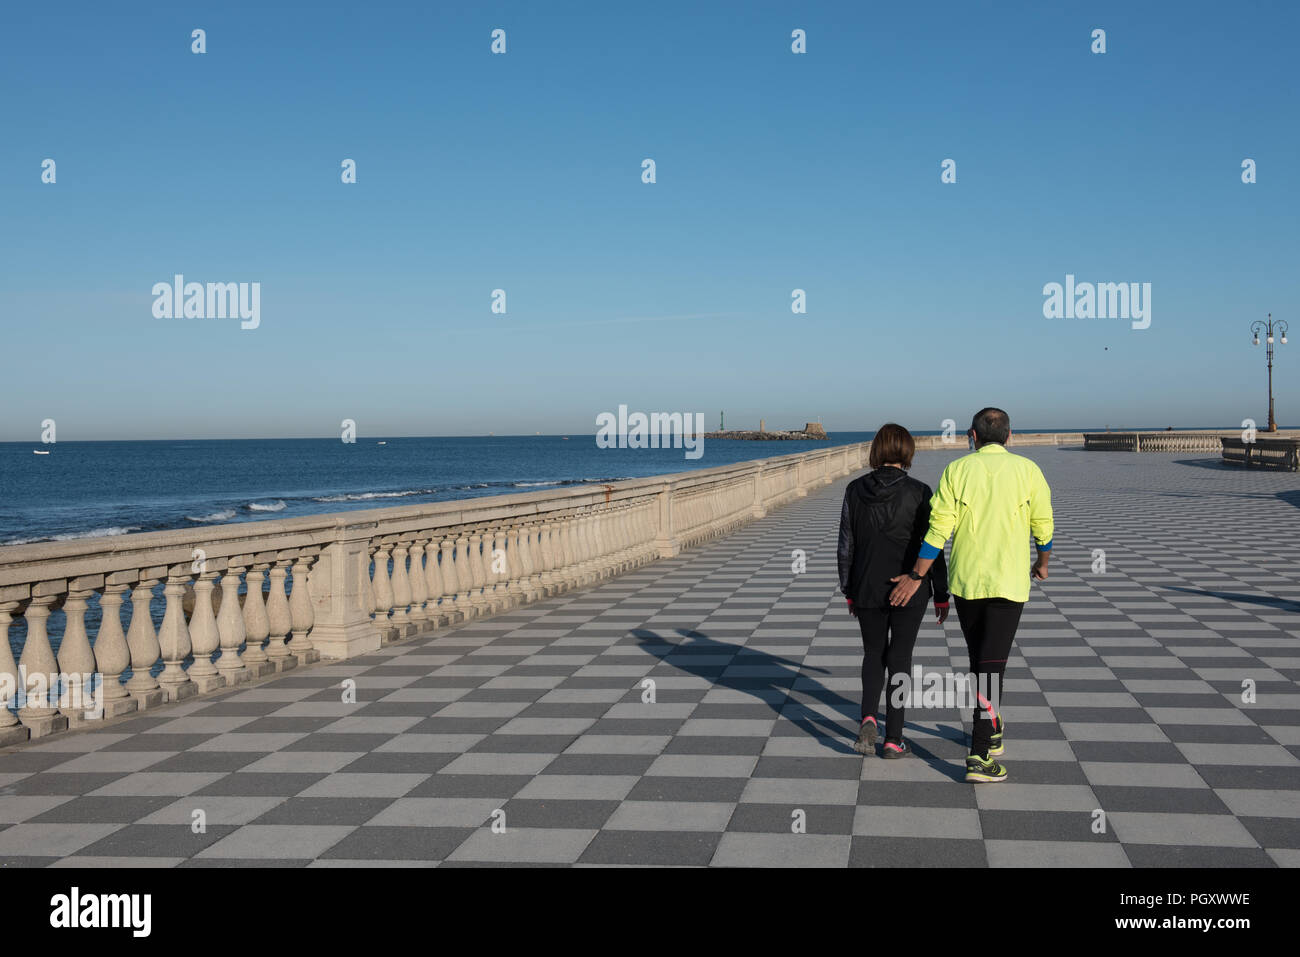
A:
{"points": [[811, 430]]}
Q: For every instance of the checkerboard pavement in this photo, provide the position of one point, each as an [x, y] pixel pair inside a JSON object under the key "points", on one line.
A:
{"points": [[1124, 694]]}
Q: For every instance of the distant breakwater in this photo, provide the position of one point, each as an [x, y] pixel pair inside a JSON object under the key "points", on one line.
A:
{"points": [[812, 431]]}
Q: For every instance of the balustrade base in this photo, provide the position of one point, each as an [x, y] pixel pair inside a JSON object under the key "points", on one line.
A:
{"points": [[15, 734], [337, 644], [308, 657], [258, 669], [119, 706], [179, 692], [206, 683], [144, 700], [48, 724], [287, 663]]}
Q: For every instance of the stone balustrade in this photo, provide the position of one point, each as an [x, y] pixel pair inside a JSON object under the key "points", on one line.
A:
{"points": [[1156, 441], [140, 620], [105, 627]]}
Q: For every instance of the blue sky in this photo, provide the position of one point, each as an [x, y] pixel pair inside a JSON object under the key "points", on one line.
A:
{"points": [[775, 171]]}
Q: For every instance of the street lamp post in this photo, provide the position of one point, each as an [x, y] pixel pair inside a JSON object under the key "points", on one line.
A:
{"points": [[1267, 328]]}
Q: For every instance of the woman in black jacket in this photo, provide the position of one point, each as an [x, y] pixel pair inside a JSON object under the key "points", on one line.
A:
{"points": [[885, 516]]}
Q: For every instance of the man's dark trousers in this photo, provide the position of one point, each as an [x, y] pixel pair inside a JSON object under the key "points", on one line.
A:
{"points": [[989, 627]]}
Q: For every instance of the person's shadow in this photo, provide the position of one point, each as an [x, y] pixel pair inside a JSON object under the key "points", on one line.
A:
{"points": [[696, 654]]}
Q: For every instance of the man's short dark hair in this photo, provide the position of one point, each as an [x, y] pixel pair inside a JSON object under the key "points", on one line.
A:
{"points": [[991, 425]]}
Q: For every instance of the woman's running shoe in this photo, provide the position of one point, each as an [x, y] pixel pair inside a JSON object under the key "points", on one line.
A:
{"points": [[895, 749], [866, 743], [984, 770]]}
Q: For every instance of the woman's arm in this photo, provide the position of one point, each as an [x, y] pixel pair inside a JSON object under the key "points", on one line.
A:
{"points": [[844, 552]]}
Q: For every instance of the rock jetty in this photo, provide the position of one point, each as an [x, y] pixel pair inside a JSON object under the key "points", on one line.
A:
{"points": [[811, 430]]}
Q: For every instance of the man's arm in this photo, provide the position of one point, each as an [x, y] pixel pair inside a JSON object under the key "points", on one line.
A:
{"points": [[943, 519], [1041, 524]]}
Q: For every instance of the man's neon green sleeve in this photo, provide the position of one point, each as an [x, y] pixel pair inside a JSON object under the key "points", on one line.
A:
{"points": [[943, 512], [1041, 524]]}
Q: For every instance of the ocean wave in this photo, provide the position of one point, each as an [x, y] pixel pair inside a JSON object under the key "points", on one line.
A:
{"points": [[276, 506], [225, 515], [367, 496], [73, 536]]}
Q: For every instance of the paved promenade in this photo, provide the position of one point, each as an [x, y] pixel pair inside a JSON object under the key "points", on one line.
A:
{"points": [[1124, 697]]}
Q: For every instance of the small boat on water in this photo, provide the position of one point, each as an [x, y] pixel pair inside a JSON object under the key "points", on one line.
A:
{"points": [[40, 452], [381, 443]]}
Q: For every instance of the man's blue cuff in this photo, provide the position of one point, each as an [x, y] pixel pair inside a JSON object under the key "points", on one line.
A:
{"points": [[1044, 548], [928, 551]]}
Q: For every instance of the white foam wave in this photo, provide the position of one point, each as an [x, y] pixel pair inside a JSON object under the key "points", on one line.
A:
{"points": [[276, 506], [225, 515], [367, 496], [73, 536]]}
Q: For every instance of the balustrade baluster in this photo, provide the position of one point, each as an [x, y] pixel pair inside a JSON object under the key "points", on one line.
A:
{"points": [[450, 604], [256, 625], [75, 659], [383, 592], [174, 637], [112, 653], [230, 626], [12, 731], [205, 638], [300, 610], [436, 608], [279, 619], [401, 617], [40, 671], [419, 585], [143, 642]]}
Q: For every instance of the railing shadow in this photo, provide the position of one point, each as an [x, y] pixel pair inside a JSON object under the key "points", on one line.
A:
{"points": [[773, 690], [1281, 604]]}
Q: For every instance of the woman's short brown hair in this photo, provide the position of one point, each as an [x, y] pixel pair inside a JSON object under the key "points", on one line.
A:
{"points": [[892, 443]]}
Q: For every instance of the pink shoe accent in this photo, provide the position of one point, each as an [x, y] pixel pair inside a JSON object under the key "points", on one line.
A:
{"points": [[890, 744], [870, 717]]}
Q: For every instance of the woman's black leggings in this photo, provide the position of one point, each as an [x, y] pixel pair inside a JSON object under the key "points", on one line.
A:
{"points": [[888, 637]]}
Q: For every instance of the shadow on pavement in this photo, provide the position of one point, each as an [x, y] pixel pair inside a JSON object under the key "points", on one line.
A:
{"points": [[1281, 604], [692, 652]]}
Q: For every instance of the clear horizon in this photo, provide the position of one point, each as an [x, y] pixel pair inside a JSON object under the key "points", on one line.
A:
{"points": [[1028, 430]]}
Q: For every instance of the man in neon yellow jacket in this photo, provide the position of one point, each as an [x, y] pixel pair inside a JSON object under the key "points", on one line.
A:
{"points": [[990, 502]]}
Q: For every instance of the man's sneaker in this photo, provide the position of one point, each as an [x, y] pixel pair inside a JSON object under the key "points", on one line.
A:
{"points": [[895, 749], [866, 743], [995, 741], [984, 770]]}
